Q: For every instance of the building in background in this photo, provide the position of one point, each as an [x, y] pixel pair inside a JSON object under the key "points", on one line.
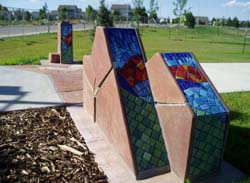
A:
{"points": [[201, 20], [71, 11], [123, 9]]}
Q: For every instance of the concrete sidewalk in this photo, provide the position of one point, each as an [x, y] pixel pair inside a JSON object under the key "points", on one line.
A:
{"points": [[229, 77], [21, 89]]}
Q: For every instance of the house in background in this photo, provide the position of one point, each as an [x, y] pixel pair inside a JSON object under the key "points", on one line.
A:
{"points": [[71, 11], [34, 15], [201, 20], [123, 9]]}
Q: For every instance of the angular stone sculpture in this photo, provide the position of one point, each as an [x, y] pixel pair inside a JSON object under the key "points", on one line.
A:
{"points": [[65, 42], [118, 96], [193, 117]]}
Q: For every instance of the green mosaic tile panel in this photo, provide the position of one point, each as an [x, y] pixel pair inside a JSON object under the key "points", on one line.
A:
{"points": [[209, 136], [144, 127]]}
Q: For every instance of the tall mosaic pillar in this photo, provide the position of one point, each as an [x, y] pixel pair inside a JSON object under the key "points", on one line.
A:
{"points": [[65, 42], [118, 96], [192, 115]]}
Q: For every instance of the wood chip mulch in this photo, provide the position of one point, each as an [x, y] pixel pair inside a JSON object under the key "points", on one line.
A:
{"points": [[43, 145]]}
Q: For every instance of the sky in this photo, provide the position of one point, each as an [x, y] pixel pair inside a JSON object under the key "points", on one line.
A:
{"points": [[210, 8]]}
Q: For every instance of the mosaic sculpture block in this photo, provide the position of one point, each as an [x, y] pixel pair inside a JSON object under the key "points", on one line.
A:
{"points": [[65, 42], [125, 108], [193, 117]]}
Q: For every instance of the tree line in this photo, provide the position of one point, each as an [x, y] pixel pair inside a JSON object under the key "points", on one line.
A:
{"points": [[18, 14], [139, 14], [230, 22]]}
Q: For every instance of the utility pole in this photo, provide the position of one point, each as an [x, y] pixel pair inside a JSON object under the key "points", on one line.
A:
{"points": [[198, 19], [48, 21], [244, 43]]}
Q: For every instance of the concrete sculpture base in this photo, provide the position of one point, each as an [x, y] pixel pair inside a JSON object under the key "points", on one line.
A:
{"points": [[54, 58]]}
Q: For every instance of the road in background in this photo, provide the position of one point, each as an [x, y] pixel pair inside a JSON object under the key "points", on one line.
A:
{"points": [[19, 30]]}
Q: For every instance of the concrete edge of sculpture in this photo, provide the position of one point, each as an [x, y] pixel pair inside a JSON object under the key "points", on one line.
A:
{"points": [[180, 134], [111, 109]]}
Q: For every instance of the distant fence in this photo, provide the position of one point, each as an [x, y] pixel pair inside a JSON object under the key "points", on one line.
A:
{"points": [[20, 30]]}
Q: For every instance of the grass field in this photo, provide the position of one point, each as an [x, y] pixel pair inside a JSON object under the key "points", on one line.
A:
{"points": [[238, 143], [31, 49], [208, 43]]}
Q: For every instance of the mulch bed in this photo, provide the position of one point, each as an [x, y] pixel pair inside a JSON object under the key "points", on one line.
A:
{"points": [[43, 145]]}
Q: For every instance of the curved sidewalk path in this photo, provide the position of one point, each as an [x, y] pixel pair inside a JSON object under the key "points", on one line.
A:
{"points": [[20, 89], [24, 87], [229, 77]]}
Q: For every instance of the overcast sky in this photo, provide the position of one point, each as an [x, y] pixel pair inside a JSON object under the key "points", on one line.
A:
{"points": [[210, 8]]}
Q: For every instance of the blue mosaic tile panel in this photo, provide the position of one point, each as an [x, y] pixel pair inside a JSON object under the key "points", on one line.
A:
{"points": [[129, 63], [124, 45], [66, 43], [193, 83]]}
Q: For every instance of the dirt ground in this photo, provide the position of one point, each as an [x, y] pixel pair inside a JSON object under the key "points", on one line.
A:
{"points": [[43, 145]]}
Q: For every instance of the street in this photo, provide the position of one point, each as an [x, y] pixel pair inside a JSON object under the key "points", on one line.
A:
{"points": [[18, 30]]}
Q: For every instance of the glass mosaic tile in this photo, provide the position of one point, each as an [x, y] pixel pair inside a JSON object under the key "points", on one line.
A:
{"points": [[193, 83], [143, 124], [66, 42], [208, 145], [144, 127]]}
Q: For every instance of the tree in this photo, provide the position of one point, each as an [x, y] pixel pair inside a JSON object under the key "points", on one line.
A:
{"points": [[104, 17], [116, 14], [213, 21], [153, 8], [138, 3], [229, 22], [43, 12], [235, 22], [139, 13], [90, 12], [179, 8], [223, 22], [18, 14], [190, 20], [4, 13], [62, 13], [27, 16]]}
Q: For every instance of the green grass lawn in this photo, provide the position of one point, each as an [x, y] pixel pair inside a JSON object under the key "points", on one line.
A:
{"points": [[207, 43], [31, 49], [204, 42], [238, 143]]}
